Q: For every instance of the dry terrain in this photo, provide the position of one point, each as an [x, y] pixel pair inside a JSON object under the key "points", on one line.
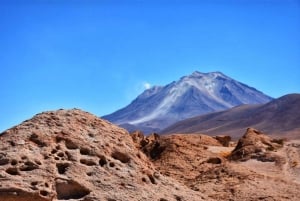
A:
{"points": [[279, 118], [257, 168], [73, 155]]}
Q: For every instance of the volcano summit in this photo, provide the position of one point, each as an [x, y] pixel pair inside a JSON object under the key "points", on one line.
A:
{"points": [[192, 95]]}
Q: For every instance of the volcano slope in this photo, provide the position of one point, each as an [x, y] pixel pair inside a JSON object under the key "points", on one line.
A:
{"points": [[258, 168], [279, 117], [73, 155]]}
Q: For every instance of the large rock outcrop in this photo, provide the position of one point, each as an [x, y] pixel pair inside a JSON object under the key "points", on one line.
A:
{"points": [[201, 163], [73, 155], [256, 145]]}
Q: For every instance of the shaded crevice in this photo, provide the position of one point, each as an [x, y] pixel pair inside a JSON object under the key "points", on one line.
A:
{"points": [[85, 151], [152, 179], [123, 157], [70, 145], [67, 190], [29, 166], [215, 160], [88, 162], [34, 138], [62, 167], [102, 161], [12, 171]]}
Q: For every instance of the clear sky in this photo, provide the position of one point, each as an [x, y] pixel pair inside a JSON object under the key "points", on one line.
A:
{"points": [[100, 56]]}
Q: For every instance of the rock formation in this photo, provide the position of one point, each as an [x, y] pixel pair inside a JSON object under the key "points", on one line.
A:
{"points": [[201, 163], [256, 145], [73, 155]]}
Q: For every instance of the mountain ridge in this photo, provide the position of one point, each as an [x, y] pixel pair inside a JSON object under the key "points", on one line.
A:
{"points": [[278, 117]]}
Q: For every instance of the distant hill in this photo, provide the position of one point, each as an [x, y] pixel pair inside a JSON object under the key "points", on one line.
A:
{"points": [[192, 95], [278, 117]]}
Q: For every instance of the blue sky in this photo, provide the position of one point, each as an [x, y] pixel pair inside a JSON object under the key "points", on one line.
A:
{"points": [[98, 56]]}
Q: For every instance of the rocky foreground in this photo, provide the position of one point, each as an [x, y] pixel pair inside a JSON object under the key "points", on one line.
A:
{"points": [[73, 155]]}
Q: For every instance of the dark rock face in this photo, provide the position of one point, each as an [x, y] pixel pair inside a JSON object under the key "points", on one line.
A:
{"points": [[151, 145], [224, 139], [193, 95]]}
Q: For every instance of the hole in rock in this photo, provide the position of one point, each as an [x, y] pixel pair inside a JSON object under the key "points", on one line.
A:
{"points": [[34, 138], [85, 151], [88, 162], [124, 158], [214, 160], [14, 162], [29, 166], [62, 167], [60, 154], [111, 164], [102, 161], [178, 198], [12, 171], [58, 138], [70, 145], [34, 183], [67, 190], [44, 193]]}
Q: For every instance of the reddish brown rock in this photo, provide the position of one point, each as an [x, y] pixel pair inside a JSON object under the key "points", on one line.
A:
{"points": [[224, 140], [73, 155], [200, 162], [256, 145]]}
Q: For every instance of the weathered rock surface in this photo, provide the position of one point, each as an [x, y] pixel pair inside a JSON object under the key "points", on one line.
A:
{"points": [[256, 145], [73, 155], [201, 163]]}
